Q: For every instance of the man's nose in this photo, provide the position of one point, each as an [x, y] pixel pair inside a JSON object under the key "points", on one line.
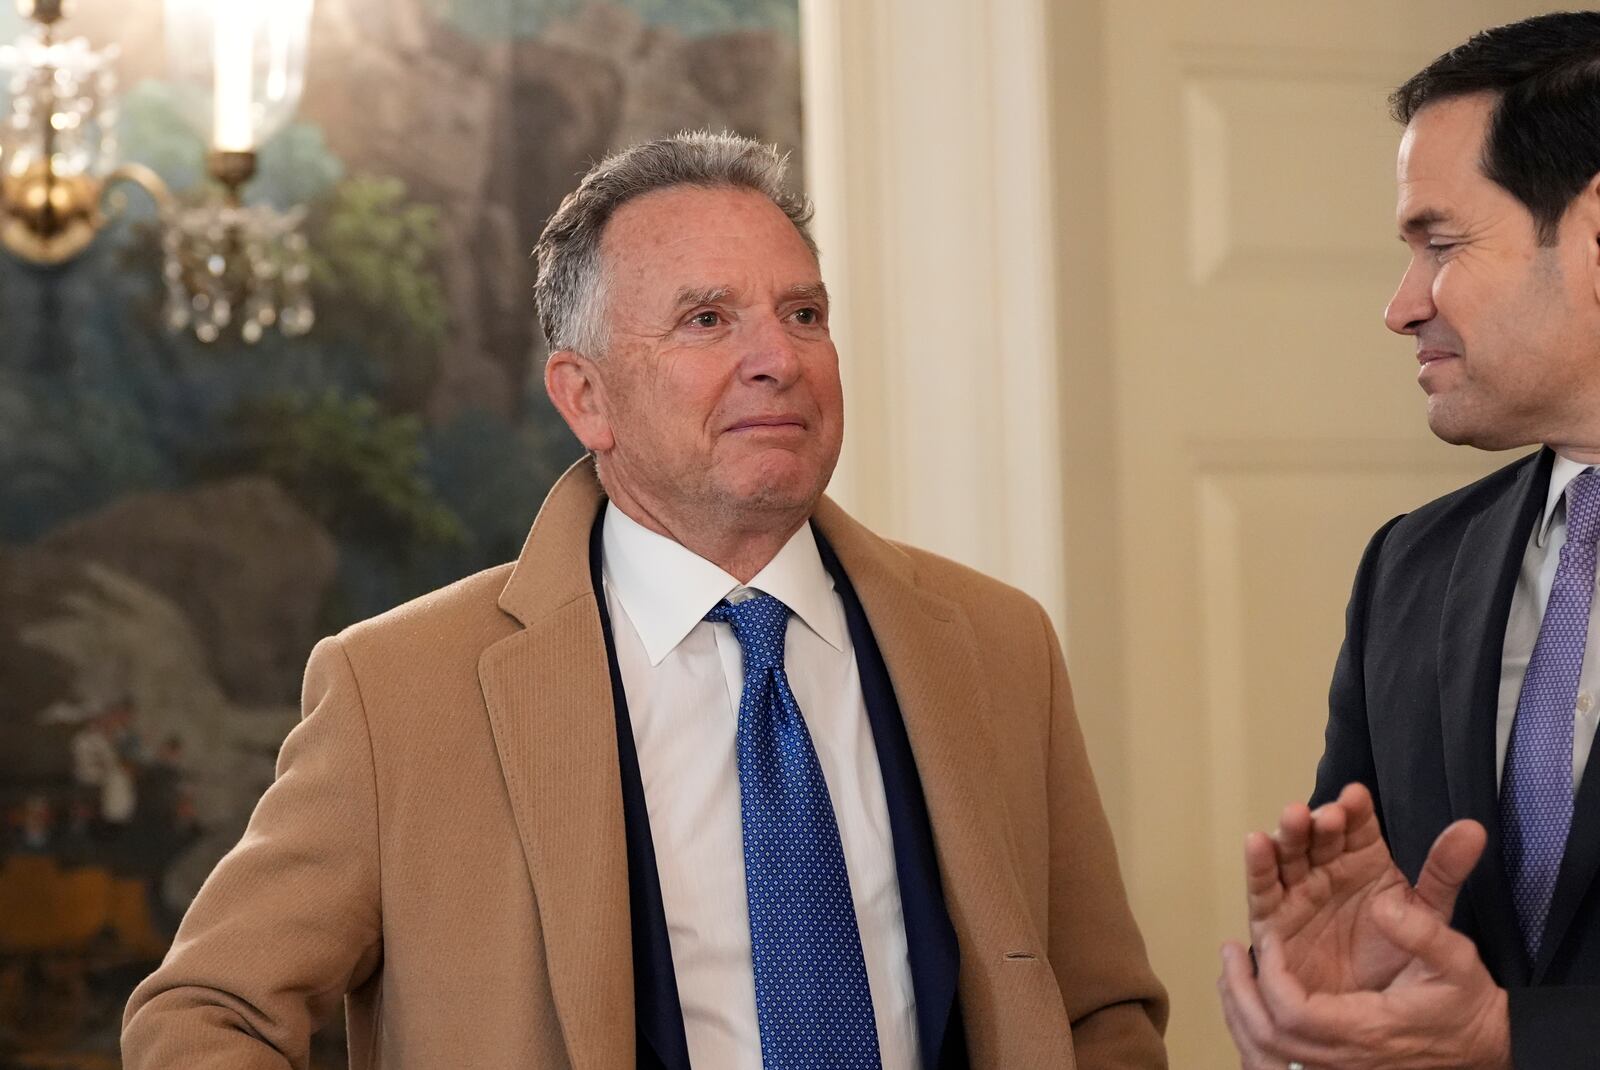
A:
{"points": [[1412, 304], [773, 354]]}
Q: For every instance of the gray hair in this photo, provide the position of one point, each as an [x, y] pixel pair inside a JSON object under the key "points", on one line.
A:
{"points": [[571, 287]]}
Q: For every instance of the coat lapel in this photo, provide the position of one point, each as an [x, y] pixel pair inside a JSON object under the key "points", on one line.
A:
{"points": [[931, 943], [931, 654], [548, 693], [1471, 637]]}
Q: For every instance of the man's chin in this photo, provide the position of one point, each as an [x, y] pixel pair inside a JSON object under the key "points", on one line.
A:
{"points": [[1449, 424], [772, 492], [774, 479], [774, 497]]}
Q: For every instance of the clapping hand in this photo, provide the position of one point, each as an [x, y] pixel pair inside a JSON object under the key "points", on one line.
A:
{"points": [[1358, 967]]}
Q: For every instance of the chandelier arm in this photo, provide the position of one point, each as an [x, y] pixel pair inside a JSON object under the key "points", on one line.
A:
{"points": [[136, 174]]}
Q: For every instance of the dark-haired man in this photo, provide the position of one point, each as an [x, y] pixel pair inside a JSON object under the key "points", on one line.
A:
{"points": [[1438, 907]]}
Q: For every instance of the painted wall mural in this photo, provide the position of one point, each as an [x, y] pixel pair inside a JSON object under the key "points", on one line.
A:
{"points": [[180, 522]]}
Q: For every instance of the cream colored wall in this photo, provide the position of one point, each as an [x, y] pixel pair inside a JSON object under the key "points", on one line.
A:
{"points": [[1111, 277]]}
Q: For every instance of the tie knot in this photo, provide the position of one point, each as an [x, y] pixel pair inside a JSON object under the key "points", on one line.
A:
{"points": [[1583, 508], [760, 625]]}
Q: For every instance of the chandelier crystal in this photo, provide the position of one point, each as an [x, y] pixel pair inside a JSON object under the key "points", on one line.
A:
{"points": [[57, 137], [240, 68], [226, 264]]}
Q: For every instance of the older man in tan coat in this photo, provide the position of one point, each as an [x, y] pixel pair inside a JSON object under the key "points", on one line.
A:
{"points": [[711, 775]]}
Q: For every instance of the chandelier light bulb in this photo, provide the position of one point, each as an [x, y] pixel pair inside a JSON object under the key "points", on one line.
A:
{"points": [[233, 128]]}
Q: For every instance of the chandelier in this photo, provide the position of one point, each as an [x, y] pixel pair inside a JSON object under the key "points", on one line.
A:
{"points": [[240, 67]]}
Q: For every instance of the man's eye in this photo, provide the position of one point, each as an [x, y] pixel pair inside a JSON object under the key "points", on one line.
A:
{"points": [[1440, 248], [808, 316], [706, 319]]}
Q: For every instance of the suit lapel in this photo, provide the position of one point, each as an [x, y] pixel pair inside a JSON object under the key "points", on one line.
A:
{"points": [[1578, 868], [931, 654], [548, 692], [1471, 637]]}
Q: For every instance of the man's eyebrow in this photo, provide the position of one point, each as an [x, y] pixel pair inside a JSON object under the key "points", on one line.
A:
{"points": [[815, 292], [690, 296], [1419, 221]]}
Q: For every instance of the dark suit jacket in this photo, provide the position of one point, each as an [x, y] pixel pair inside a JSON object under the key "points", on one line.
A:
{"points": [[1412, 716]]}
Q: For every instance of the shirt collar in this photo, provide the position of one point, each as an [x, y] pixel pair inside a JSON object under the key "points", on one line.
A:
{"points": [[1562, 473], [667, 589]]}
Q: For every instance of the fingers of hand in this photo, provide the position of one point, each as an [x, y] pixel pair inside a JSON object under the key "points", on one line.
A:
{"points": [[1263, 892], [1246, 1017], [1327, 834], [1293, 842], [1419, 930], [1450, 862], [1272, 1028], [1361, 818], [1280, 991]]}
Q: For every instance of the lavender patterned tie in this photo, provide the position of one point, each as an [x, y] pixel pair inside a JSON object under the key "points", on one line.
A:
{"points": [[1536, 786]]}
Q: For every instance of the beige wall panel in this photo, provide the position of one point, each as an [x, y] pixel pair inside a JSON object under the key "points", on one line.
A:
{"points": [[1261, 133], [1275, 533]]}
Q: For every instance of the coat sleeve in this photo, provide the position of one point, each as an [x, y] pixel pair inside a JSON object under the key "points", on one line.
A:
{"points": [[1117, 1007], [288, 922], [1347, 742]]}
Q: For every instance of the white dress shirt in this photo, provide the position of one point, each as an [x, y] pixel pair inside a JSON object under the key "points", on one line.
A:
{"points": [[1538, 575], [683, 678]]}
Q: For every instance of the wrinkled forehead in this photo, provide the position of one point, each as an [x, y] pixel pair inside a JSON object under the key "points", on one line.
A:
{"points": [[689, 236]]}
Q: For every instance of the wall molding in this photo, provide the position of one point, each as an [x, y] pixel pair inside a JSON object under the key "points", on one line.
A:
{"points": [[929, 153]]}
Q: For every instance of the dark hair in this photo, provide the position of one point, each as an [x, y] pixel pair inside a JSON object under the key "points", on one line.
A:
{"points": [[1543, 144]]}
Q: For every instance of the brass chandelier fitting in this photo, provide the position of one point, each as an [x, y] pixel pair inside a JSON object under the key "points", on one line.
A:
{"points": [[225, 264]]}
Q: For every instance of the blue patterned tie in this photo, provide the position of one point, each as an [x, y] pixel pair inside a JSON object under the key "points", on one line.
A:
{"points": [[812, 998], [1536, 786]]}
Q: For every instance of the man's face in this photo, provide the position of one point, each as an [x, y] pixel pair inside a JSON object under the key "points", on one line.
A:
{"points": [[719, 391], [1505, 328]]}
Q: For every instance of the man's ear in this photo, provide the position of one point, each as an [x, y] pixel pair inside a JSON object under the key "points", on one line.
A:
{"points": [[1586, 209], [573, 383]]}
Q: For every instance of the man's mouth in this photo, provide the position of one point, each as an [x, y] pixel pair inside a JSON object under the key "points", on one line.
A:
{"points": [[779, 422]]}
